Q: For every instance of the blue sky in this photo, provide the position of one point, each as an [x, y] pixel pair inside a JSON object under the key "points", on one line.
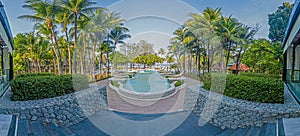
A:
{"points": [[154, 20]]}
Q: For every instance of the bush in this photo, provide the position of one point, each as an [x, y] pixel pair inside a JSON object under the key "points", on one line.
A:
{"points": [[115, 83], [179, 83], [252, 74], [40, 86], [35, 74], [258, 89]]}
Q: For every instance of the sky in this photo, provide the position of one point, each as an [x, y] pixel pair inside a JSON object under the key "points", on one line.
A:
{"points": [[155, 20]]}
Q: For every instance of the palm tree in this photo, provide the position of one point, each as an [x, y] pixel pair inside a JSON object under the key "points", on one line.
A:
{"points": [[228, 29], [204, 26], [78, 8], [44, 12], [245, 36], [64, 18], [118, 35]]}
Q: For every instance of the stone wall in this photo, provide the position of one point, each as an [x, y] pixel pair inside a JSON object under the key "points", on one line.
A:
{"points": [[229, 112], [64, 110]]}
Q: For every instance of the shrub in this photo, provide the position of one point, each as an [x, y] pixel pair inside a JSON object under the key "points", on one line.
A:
{"points": [[115, 83], [35, 74], [258, 89], [40, 87], [179, 83], [252, 74]]}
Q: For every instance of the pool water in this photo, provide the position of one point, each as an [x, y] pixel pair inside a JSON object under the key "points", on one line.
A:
{"points": [[147, 81]]}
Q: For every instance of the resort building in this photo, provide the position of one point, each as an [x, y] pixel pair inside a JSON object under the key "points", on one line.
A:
{"points": [[291, 48], [6, 50]]}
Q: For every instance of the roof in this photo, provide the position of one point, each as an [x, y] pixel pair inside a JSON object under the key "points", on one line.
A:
{"points": [[293, 18], [5, 31], [242, 67]]}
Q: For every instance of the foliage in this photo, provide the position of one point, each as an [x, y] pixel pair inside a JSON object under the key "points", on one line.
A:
{"points": [[278, 22], [264, 57], [252, 74], [41, 86], [35, 74], [179, 83], [149, 59], [258, 89], [115, 83]]}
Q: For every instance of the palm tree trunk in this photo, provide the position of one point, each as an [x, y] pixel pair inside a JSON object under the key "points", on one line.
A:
{"points": [[58, 50], [75, 43], [100, 63], [69, 51], [228, 54]]}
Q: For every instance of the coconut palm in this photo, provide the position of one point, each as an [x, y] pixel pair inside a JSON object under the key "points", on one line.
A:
{"points": [[78, 8], [64, 18], [45, 12], [228, 29]]}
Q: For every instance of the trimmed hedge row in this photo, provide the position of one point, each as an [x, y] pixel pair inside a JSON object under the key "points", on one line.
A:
{"points": [[40, 86], [35, 74], [258, 89], [252, 74]]}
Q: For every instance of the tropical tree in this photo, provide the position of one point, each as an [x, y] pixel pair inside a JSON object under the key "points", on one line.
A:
{"points": [[45, 12], [64, 18], [78, 8], [278, 22], [228, 29]]}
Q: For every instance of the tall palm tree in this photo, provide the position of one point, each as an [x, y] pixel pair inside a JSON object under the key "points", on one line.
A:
{"points": [[228, 29], [45, 12], [204, 27], [78, 8], [118, 35], [64, 18]]}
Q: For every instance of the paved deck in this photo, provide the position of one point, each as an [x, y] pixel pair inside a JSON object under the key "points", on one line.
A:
{"points": [[173, 103]]}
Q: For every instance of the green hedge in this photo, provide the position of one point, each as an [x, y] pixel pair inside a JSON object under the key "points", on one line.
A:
{"points": [[179, 83], [252, 74], [35, 74], [115, 83], [40, 86], [258, 89]]}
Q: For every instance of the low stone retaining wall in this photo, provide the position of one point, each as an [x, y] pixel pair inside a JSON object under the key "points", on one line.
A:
{"points": [[64, 110], [229, 112]]}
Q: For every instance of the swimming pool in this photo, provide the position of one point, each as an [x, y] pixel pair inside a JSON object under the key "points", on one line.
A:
{"points": [[147, 81]]}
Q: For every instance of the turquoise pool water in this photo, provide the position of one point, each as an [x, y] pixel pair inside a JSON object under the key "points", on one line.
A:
{"points": [[147, 81]]}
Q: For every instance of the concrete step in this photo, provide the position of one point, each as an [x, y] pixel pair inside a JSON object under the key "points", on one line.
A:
{"points": [[63, 131], [13, 128], [38, 129], [288, 126], [268, 129], [225, 132], [8, 125], [51, 131], [23, 128], [253, 131], [239, 132]]}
